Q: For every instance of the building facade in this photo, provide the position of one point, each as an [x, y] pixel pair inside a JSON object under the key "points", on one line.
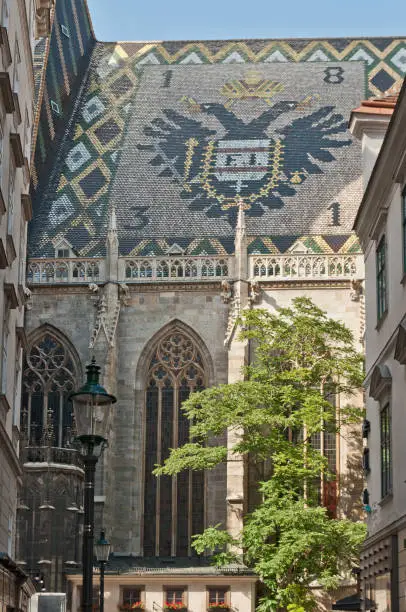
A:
{"points": [[175, 184], [380, 225], [20, 22]]}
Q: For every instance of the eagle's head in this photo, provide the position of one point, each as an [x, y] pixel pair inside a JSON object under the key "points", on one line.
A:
{"points": [[210, 107], [285, 106]]}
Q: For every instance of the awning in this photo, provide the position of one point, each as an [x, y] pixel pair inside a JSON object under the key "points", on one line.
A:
{"points": [[352, 603]]}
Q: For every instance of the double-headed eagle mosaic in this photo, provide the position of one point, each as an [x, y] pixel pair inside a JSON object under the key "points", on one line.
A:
{"points": [[253, 163]]}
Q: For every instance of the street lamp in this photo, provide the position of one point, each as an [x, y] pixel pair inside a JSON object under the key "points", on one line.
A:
{"points": [[92, 411], [102, 550]]}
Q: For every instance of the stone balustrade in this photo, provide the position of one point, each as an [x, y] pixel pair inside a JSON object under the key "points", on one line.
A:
{"points": [[71, 271], [195, 268], [305, 267], [51, 454], [175, 268]]}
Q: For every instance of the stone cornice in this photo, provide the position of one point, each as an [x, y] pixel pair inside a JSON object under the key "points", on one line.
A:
{"points": [[40, 466], [139, 577], [372, 124], [161, 287], [303, 284], [390, 529]]}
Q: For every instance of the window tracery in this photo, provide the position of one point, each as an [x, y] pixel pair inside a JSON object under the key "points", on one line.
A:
{"points": [[173, 506], [49, 376]]}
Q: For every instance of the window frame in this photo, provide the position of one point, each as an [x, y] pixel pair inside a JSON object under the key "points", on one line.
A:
{"points": [[16, 74], [35, 389], [32, 24], [1, 150], [5, 14], [5, 338], [11, 197], [135, 588], [27, 135], [226, 598], [175, 588], [381, 278], [385, 446], [169, 529], [403, 205]]}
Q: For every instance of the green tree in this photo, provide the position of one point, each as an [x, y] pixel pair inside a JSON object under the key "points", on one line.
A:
{"points": [[303, 359]]}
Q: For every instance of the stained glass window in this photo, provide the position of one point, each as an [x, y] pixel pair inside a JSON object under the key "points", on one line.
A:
{"points": [[173, 506], [48, 379]]}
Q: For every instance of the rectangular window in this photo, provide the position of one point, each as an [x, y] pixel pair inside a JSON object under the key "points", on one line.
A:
{"points": [[382, 304], [386, 451], [175, 596], [27, 135], [131, 595], [63, 253], [404, 228], [32, 24], [10, 536], [11, 194], [21, 259], [16, 75], [218, 596], [4, 13], [17, 385], [5, 340], [1, 153]]}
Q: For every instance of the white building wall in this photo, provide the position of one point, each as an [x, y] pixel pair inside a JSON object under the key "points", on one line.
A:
{"points": [[380, 346], [16, 68]]}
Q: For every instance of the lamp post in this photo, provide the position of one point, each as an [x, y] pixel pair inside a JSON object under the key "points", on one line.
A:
{"points": [[92, 412], [102, 550]]}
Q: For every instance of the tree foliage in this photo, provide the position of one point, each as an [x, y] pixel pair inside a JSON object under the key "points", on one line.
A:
{"points": [[303, 361]]}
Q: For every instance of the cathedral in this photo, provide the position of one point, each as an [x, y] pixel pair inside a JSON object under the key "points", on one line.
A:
{"points": [[175, 184]]}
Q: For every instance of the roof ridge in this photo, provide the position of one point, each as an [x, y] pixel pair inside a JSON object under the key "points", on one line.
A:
{"points": [[259, 38]]}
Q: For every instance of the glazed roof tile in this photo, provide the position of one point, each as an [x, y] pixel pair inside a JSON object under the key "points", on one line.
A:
{"points": [[177, 134]]}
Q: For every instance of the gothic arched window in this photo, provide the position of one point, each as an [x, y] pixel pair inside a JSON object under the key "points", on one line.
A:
{"points": [[49, 377], [173, 506]]}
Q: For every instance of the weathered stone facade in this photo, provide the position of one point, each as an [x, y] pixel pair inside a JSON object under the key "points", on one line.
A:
{"points": [[203, 311]]}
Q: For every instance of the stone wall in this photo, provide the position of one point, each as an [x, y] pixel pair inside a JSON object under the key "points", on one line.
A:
{"points": [[201, 312]]}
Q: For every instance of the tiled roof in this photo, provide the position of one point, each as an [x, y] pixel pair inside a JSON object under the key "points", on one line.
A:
{"points": [[383, 105], [176, 134]]}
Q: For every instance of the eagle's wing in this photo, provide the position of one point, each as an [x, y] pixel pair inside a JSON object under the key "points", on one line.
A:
{"points": [[178, 143], [309, 137]]}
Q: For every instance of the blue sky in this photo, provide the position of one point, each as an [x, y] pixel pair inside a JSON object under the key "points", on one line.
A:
{"points": [[193, 19]]}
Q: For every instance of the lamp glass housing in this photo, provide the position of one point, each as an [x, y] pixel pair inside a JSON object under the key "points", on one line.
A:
{"points": [[102, 548], [92, 408]]}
